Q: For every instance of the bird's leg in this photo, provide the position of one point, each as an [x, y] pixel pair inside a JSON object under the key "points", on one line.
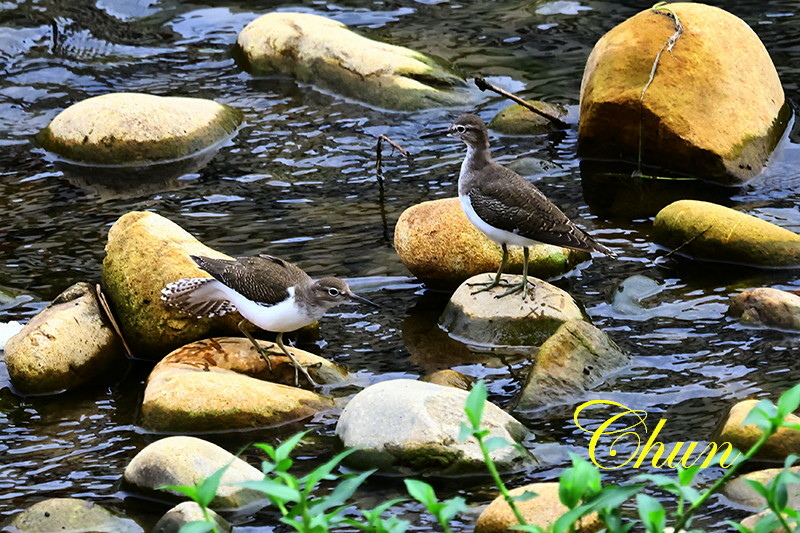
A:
{"points": [[297, 366], [257, 346], [494, 283], [522, 285]]}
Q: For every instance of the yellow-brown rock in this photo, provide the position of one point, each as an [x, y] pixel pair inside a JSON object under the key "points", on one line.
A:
{"points": [[65, 346], [779, 446], [319, 50], [145, 251], [711, 112], [519, 120], [767, 307], [741, 493], [753, 522], [716, 233], [542, 510], [441, 247], [219, 383], [70, 514], [129, 128]]}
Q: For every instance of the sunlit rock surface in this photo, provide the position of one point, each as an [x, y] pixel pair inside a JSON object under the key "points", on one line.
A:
{"points": [[70, 514], [767, 307], [779, 446]]}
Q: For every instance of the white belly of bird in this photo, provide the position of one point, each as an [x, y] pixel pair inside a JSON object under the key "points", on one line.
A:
{"points": [[497, 235], [283, 316]]}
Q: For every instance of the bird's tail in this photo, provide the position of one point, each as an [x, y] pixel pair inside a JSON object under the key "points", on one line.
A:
{"points": [[597, 247], [198, 297]]}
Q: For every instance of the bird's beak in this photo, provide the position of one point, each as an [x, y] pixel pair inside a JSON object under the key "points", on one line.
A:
{"points": [[357, 298], [438, 133]]}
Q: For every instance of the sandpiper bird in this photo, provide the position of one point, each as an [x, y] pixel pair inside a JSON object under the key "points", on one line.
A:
{"points": [[509, 209], [273, 294]]}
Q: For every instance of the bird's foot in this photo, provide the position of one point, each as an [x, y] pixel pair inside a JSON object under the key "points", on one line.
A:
{"points": [[298, 368], [522, 287], [487, 285]]}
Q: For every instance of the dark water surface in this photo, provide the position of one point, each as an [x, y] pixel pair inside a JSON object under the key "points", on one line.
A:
{"points": [[298, 181]]}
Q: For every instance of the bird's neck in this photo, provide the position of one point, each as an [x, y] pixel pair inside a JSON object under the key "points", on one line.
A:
{"points": [[478, 156], [304, 300]]}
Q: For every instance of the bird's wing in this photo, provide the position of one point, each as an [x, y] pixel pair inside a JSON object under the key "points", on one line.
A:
{"points": [[263, 279], [530, 214]]}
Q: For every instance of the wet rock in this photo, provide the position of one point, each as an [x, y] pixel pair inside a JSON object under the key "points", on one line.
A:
{"points": [[574, 359], [187, 461], [519, 120], [128, 128], [70, 514], [324, 52], [411, 426], [767, 307], [753, 522], [440, 246], [482, 319], [8, 330], [779, 446], [716, 233], [186, 512], [631, 293], [542, 511], [145, 251], [218, 383], [741, 493], [727, 143], [449, 378], [66, 345]]}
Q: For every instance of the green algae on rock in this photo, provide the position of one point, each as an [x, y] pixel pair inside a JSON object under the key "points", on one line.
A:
{"points": [[712, 111], [324, 52], [518, 120], [135, 128], [716, 233]]}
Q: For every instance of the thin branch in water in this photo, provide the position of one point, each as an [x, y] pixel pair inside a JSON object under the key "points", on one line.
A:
{"points": [[379, 153], [483, 85], [106, 309]]}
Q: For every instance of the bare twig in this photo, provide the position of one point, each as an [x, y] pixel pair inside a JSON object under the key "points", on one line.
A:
{"points": [[483, 85], [379, 152], [101, 299]]}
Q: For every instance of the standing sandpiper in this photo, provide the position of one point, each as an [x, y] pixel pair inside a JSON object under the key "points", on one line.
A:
{"points": [[273, 294], [509, 209]]}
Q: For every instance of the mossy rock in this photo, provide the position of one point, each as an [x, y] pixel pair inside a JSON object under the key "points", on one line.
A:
{"points": [[134, 128], [322, 51], [519, 120], [70, 514], [716, 233]]}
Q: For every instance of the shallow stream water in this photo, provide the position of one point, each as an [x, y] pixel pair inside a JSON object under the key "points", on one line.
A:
{"points": [[298, 181]]}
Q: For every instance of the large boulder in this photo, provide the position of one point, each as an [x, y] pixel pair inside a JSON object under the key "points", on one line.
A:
{"points": [[412, 426], [739, 491], [783, 443], [66, 345], [574, 359], [219, 383], [480, 318], [716, 233], [128, 128], [318, 50], [145, 251], [70, 514], [767, 307], [441, 247], [727, 142], [543, 510], [187, 461]]}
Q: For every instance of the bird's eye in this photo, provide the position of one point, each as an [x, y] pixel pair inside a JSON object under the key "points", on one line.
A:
{"points": [[460, 128], [333, 291]]}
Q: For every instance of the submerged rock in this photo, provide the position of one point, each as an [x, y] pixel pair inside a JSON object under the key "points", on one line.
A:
{"points": [[324, 52], [727, 142], [218, 384], [483, 319], [716, 233], [441, 247], [575, 358], [542, 510], [739, 491], [519, 120], [145, 251], [66, 345], [779, 446], [411, 426], [767, 307], [130, 128], [70, 514], [187, 461], [183, 513]]}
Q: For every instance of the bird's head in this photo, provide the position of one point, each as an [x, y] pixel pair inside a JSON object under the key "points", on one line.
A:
{"points": [[470, 129], [330, 292]]}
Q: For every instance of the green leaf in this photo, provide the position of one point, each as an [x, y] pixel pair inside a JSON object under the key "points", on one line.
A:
{"points": [[652, 513], [762, 415], [197, 526], [322, 471], [757, 486], [496, 443], [266, 448], [525, 496], [530, 528], [789, 401], [272, 489], [451, 508], [464, 432], [421, 491], [207, 490], [686, 475], [284, 450], [341, 493], [189, 492], [476, 401]]}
